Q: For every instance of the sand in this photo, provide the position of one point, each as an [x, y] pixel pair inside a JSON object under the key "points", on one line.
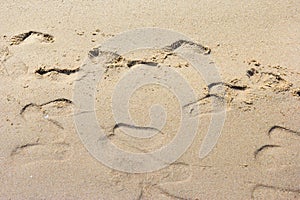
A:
{"points": [[255, 47]]}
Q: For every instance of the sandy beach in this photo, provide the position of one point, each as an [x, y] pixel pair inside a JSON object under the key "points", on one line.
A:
{"points": [[47, 151]]}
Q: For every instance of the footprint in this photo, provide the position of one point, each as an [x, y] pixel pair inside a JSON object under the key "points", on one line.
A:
{"points": [[174, 173], [219, 98], [280, 131], [268, 77], [31, 36], [273, 192], [160, 194], [282, 150], [11, 65], [51, 119], [4, 53], [36, 151], [66, 71], [205, 105], [296, 92], [15, 67], [55, 106], [279, 161]]}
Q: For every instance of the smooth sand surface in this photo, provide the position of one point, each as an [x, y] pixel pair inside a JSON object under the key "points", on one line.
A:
{"points": [[255, 46]]}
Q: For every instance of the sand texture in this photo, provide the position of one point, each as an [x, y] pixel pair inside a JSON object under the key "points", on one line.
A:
{"points": [[255, 46]]}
